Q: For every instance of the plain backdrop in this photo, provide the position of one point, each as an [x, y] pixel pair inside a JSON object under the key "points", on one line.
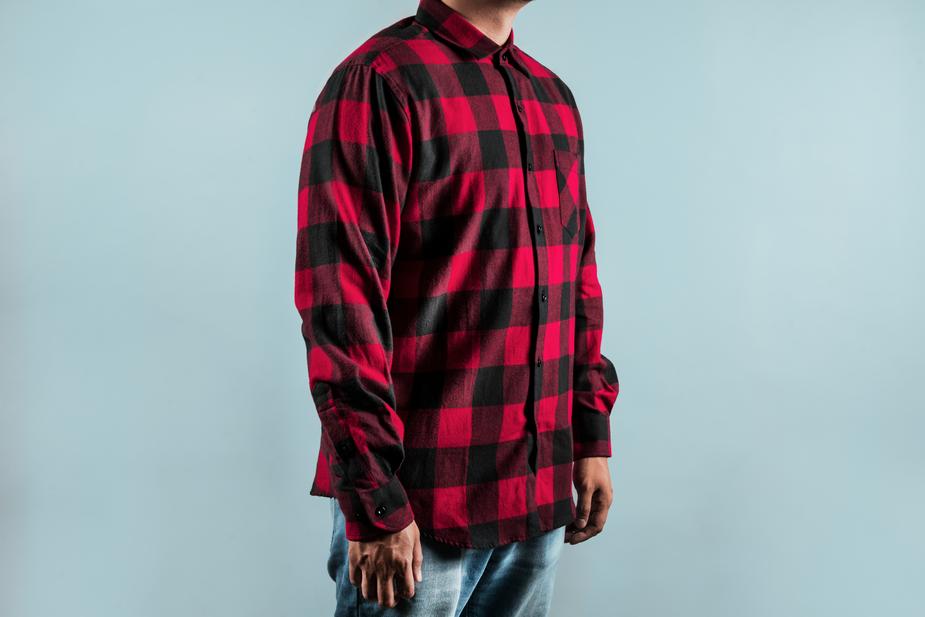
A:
{"points": [[757, 175]]}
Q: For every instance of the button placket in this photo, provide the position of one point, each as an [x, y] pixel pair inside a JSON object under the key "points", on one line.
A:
{"points": [[534, 203]]}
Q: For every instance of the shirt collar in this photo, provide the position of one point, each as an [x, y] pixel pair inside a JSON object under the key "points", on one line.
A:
{"points": [[451, 25]]}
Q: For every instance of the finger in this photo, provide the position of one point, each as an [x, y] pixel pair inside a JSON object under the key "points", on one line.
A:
{"points": [[407, 580], [584, 534], [418, 560], [386, 591], [351, 568], [369, 586], [354, 573], [599, 509], [583, 508], [594, 525]]}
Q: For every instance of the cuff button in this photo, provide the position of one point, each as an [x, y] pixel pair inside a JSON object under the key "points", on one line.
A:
{"points": [[380, 511]]}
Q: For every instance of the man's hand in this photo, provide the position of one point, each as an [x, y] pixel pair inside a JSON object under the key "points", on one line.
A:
{"points": [[595, 494], [374, 565]]}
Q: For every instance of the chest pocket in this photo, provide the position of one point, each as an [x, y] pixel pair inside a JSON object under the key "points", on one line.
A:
{"points": [[567, 163]]}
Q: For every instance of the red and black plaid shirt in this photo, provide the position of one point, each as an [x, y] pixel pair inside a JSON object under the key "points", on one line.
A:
{"points": [[446, 282]]}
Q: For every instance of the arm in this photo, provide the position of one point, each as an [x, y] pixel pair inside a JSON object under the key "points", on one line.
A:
{"points": [[353, 179], [596, 385]]}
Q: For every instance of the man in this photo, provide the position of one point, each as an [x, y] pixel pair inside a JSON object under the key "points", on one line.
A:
{"points": [[452, 314]]}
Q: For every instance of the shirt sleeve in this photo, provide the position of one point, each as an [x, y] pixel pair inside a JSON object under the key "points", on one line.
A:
{"points": [[595, 386], [353, 178]]}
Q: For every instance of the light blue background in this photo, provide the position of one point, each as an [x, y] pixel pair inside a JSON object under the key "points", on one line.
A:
{"points": [[756, 174]]}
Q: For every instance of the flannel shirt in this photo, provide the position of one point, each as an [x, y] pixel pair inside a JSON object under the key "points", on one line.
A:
{"points": [[447, 287]]}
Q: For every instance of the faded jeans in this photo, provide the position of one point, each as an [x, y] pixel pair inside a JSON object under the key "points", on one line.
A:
{"points": [[513, 580]]}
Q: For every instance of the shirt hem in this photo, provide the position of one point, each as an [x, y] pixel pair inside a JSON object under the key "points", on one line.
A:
{"points": [[437, 538], [510, 540]]}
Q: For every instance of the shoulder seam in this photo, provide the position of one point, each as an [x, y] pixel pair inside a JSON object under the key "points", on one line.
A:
{"points": [[403, 96], [397, 90]]}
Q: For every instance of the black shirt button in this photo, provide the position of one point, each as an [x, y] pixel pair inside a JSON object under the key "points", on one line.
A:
{"points": [[539, 229], [539, 362], [520, 107], [543, 296], [504, 57], [530, 166], [380, 511]]}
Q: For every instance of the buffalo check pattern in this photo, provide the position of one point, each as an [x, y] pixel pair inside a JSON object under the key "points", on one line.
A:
{"points": [[447, 287]]}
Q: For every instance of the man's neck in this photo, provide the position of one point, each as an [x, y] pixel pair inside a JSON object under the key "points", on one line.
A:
{"points": [[495, 18]]}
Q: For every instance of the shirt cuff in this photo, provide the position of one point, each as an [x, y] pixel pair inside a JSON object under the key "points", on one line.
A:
{"points": [[375, 512], [590, 434]]}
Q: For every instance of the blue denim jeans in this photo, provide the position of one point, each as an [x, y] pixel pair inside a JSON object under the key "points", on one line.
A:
{"points": [[513, 580]]}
